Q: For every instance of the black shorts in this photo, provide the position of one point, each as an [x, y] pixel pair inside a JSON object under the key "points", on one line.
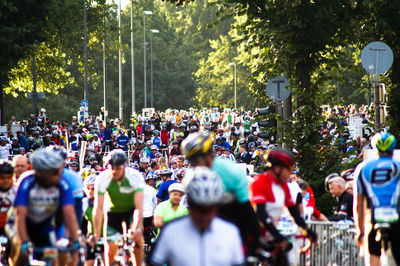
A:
{"points": [[374, 247], [115, 219], [90, 253]]}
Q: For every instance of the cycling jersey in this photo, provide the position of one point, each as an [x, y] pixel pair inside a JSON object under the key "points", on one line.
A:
{"points": [[6, 202], [75, 183], [182, 243], [42, 203], [4, 152], [163, 190], [157, 142], [233, 177], [123, 142], [120, 193], [267, 190], [164, 209], [379, 181], [149, 201]]}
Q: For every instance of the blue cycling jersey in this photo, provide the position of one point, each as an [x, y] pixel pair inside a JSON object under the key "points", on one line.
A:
{"points": [[42, 203], [379, 180], [233, 177], [75, 183], [157, 142], [163, 190], [123, 142]]}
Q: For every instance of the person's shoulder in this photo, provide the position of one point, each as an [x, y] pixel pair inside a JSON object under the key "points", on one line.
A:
{"points": [[180, 223], [26, 179], [227, 227], [103, 175]]}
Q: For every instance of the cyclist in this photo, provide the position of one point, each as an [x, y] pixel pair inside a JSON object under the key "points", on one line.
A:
{"points": [[39, 195], [198, 149], [124, 187], [271, 194], [200, 238], [377, 183], [87, 224], [7, 196], [149, 204], [166, 176], [171, 208]]}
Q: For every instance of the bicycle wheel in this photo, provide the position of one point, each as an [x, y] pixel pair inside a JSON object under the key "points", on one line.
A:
{"points": [[98, 262]]}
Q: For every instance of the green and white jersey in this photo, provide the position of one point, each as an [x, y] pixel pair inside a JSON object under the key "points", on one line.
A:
{"points": [[120, 193]]}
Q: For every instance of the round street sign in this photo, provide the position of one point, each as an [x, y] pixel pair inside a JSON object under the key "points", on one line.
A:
{"points": [[277, 88], [84, 103], [376, 57]]}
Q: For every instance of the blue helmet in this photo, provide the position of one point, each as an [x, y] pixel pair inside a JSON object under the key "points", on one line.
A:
{"points": [[384, 142]]}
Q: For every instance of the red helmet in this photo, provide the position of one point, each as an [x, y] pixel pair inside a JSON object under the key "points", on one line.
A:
{"points": [[281, 158]]}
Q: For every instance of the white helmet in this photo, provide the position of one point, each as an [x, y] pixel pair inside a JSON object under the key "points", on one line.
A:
{"points": [[204, 187], [89, 181], [176, 187], [44, 160]]}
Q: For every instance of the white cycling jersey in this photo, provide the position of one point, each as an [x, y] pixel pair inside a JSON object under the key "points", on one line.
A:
{"points": [[181, 243]]}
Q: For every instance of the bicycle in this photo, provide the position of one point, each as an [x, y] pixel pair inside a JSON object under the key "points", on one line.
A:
{"points": [[49, 254], [3, 250], [125, 247]]}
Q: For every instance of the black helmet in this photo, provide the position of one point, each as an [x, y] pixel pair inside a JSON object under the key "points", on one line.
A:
{"points": [[6, 168], [116, 157]]}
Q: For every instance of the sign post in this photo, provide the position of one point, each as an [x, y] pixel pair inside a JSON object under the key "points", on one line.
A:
{"points": [[377, 58], [278, 91]]}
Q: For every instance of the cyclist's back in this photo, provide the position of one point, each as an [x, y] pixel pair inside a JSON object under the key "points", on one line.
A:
{"points": [[378, 183]]}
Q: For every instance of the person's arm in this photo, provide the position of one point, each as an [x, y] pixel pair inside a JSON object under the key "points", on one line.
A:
{"points": [[98, 215], [158, 221], [264, 218], [71, 221], [138, 201], [294, 211], [358, 210], [20, 221]]}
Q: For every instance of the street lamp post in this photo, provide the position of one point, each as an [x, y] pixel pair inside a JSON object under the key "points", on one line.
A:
{"points": [[121, 108], [144, 56], [132, 63], [153, 31], [85, 79], [234, 78]]}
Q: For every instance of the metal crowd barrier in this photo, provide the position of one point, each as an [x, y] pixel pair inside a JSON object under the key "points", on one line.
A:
{"points": [[335, 246]]}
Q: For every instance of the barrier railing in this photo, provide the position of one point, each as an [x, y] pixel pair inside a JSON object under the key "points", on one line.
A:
{"points": [[336, 245]]}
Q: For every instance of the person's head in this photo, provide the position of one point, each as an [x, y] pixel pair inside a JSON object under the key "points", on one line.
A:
{"points": [[74, 166], [176, 191], [205, 192], [179, 162], [144, 162], [303, 186], [198, 149], [88, 186], [165, 174], [175, 144], [6, 175], [154, 165], [294, 176], [385, 143], [337, 186], [20, 164], [151, 180], [48, 165], [116, 161], [281, 163]]}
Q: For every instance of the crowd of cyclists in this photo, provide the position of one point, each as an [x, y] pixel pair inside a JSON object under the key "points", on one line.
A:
{"points": [[175, 188]]}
